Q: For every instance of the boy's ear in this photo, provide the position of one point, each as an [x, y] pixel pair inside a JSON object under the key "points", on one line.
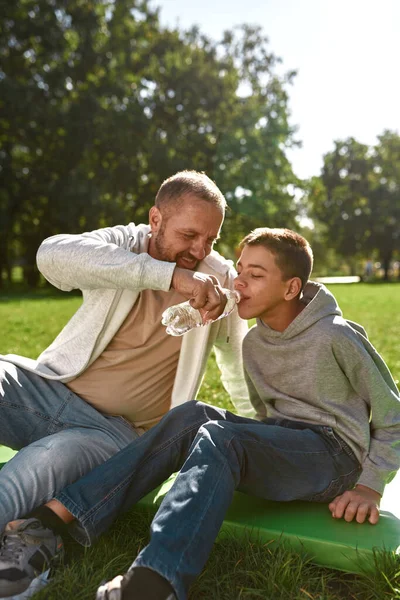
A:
{"points": [[293, 288]]}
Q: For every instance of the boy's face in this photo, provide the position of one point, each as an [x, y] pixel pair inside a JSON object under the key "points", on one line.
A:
{"points": [[260, 284]]}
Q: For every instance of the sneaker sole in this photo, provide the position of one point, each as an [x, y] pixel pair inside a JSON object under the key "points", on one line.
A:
{"points": [[15, 588]]}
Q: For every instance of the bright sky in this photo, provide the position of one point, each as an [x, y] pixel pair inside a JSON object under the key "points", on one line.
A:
{"points": [[346, 52]]}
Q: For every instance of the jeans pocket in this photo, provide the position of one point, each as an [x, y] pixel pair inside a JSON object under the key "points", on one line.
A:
{"points": [[337, 486], [331, 439], [337, 444]]}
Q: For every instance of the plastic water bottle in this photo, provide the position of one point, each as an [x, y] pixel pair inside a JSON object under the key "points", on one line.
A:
{"points": [[183, 317]]}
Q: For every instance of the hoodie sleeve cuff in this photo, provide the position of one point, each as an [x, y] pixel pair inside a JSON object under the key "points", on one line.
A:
{"points": [[372, 481]]}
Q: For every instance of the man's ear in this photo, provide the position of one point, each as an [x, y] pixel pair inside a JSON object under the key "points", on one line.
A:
{"points": [[155, 219], [293, 288]]}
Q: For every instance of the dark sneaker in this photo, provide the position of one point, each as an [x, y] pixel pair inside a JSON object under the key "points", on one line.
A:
{"points": [[27, 549], [137, 584]]}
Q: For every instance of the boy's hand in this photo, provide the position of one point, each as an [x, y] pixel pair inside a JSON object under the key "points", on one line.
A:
{"points": [[360, 503]]}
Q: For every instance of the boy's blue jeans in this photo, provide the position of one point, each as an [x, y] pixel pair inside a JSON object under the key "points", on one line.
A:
{"points": [[216, 453], [62, 437]]}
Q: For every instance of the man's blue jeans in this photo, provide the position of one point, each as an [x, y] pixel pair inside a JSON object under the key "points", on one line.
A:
{"points": [[60, 437], [216, 453]]}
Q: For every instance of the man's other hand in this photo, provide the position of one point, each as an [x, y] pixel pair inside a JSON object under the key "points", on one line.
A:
{"points": [[360, 504], [204, 292]]}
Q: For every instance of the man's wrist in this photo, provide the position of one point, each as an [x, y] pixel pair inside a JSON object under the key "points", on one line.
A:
{"points": [[175, 278]]}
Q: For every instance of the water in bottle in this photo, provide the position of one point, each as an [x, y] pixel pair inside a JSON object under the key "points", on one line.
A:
{"points": [[183, 317]]}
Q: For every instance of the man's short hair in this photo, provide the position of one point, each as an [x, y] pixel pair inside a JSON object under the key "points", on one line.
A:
{"points": [[292, 252], [175, 188]]}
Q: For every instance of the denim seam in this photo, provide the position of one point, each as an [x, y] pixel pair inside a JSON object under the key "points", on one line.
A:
{"points": [[200, 521], [43, 416], [69, 504], [332, 435], [26, 409], [290, 450], [124, 422], [88, 516], [56, 418], [334, 482]]}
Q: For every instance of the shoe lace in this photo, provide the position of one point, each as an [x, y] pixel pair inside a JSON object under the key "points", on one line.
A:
{"points": [[11, 546]]}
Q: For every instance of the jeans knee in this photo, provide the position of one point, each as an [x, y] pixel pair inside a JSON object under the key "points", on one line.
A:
{"points": [[218, 433], [7, 372], [52, 451], [72, 447], [2, 370], [185, 408], [194, 410], [219, 436]]}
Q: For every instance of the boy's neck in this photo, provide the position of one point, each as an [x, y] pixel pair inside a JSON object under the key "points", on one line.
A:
{"points": [[284, 315]]}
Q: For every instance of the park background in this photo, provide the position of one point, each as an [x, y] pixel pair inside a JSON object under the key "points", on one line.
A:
{"points": [[101, 101], [291, 107]]}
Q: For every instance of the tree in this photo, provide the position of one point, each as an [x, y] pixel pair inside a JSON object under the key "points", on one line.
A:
{"points": [[357, 198], [219, 107], [58, 77], [99, 104], [250, 162], [384, 231]]}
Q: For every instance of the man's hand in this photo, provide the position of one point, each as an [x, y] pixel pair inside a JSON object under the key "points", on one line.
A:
{"points": [[203, 291], [360, 503]]}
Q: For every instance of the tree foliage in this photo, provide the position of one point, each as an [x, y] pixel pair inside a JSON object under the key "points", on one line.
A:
{"points": [[99, 104], [357, 198], [250, 161]]}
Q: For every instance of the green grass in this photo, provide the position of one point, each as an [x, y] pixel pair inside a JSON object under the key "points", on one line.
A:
{"points": [[376, 307], [30, 322], [235, 570]]}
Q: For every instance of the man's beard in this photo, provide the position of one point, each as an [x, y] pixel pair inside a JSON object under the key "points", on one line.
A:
{"points": [[165, 253]]}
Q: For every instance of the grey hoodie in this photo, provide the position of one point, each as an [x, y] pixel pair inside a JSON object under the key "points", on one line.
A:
{"points": [[323, 370]]}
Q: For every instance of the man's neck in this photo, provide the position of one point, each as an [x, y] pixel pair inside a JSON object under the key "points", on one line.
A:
{"points": [[151, 248]]}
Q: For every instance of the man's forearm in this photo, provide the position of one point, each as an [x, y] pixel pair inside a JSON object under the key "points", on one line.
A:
{"points": [[78, 262]]}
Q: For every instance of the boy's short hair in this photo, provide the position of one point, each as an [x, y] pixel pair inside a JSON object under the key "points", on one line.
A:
{"points": [[176, 187], [292, 252]]}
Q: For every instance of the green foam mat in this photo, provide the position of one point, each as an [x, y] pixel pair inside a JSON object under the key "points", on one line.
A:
{"points": [[305, 527], [5, 455]]}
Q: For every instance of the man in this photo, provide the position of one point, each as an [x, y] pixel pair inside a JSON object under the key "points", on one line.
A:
{"points": [[113, 372]]}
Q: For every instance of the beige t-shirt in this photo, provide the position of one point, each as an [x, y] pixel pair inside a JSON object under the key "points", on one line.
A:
{"points": [[135, 374]]}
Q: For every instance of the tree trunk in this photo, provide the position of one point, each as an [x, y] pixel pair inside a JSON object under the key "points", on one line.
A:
{"points": [[5, 269], [30, 270], [31, 274], [386, 266]]}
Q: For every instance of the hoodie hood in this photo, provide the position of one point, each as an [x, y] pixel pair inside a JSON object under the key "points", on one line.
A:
{"points": [[320, 303]]}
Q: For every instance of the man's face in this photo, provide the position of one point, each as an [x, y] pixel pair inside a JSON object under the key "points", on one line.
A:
{"points": [[185, 235], [260, 284]]}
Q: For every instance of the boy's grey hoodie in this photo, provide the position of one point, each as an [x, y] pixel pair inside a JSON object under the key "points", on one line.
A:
{"points": [[323, 370]]}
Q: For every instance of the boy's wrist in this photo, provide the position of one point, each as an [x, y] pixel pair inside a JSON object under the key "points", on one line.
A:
{"points": [[363, 488]]}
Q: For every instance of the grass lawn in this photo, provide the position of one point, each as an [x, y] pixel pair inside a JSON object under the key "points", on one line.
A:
{"points": [[234, 570]]}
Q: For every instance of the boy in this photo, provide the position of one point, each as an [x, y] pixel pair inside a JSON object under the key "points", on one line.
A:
{"points": [[314, 380]]}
